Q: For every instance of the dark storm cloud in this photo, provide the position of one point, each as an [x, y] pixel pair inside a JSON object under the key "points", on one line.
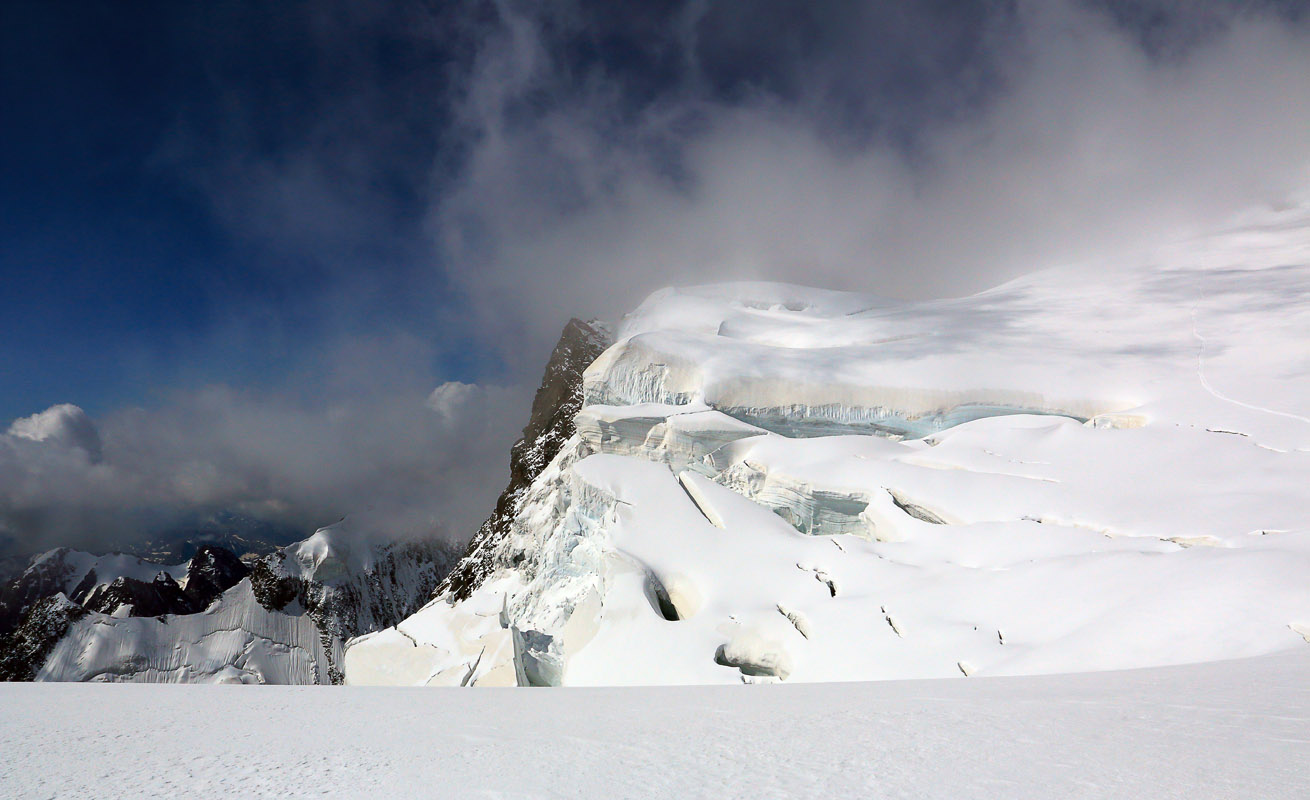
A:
{"points": [[513, 164]]}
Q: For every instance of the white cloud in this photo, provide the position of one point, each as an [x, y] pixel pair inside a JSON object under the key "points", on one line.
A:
{"points": [[451, 398], [423, 468], [1085, 146], [64, 425]]}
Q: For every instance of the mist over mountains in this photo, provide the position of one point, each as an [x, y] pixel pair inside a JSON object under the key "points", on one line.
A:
{"points": [[221, 464]]}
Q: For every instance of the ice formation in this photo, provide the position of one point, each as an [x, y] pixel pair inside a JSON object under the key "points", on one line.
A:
{"points": [[766, 482]]}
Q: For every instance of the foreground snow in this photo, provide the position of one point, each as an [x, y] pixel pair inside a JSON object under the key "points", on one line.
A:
{"points": [[1222, 730]]}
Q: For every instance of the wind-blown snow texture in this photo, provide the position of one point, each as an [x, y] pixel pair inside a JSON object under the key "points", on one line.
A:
{"points": [[1224, 730], [1083, 469]]}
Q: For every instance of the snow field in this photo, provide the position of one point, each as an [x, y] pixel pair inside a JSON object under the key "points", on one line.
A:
{"points": [[1218, 730]]}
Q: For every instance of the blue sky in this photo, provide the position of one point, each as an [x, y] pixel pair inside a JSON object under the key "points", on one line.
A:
{"points": [[127, 124], [99, 255]]}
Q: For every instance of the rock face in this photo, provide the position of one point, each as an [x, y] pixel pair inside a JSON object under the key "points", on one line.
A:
{"points": [[44, 578], [24, 649], [350, 585], [557, 402], [155, 599], [212, 571], [106, 583]]}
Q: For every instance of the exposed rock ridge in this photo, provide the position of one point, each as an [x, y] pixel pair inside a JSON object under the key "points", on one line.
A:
{"points": [[43, 578], [24, 650], [557, 401]]}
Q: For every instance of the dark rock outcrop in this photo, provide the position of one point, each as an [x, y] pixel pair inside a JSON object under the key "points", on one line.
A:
{"points": [[273, 588], [155, 599], [25, 649], [212, 571], [556, 403]]}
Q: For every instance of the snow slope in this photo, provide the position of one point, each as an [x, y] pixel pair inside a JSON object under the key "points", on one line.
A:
{"points": [[1085, 469], [235, 640], [1219, 730]]}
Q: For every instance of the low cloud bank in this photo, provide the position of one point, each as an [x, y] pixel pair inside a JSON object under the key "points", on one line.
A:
{"points": [[419, 465]]}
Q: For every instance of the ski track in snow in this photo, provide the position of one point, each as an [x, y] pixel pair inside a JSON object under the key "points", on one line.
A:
{"points": [[1205, 383], [1218, 730]]}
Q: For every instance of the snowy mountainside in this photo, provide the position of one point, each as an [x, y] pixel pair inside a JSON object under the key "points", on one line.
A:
{"points": [[351, 579], [235, 640], [62, 586], [1083, 469], [81, 617]]}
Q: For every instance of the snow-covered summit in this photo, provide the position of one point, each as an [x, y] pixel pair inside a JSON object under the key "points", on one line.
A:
{"points": [[334, 552], [1086, 468], [1208, 331], [352, 577]]}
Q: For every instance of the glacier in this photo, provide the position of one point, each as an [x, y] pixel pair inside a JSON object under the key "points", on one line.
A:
{"points": [[1089, 468]]}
